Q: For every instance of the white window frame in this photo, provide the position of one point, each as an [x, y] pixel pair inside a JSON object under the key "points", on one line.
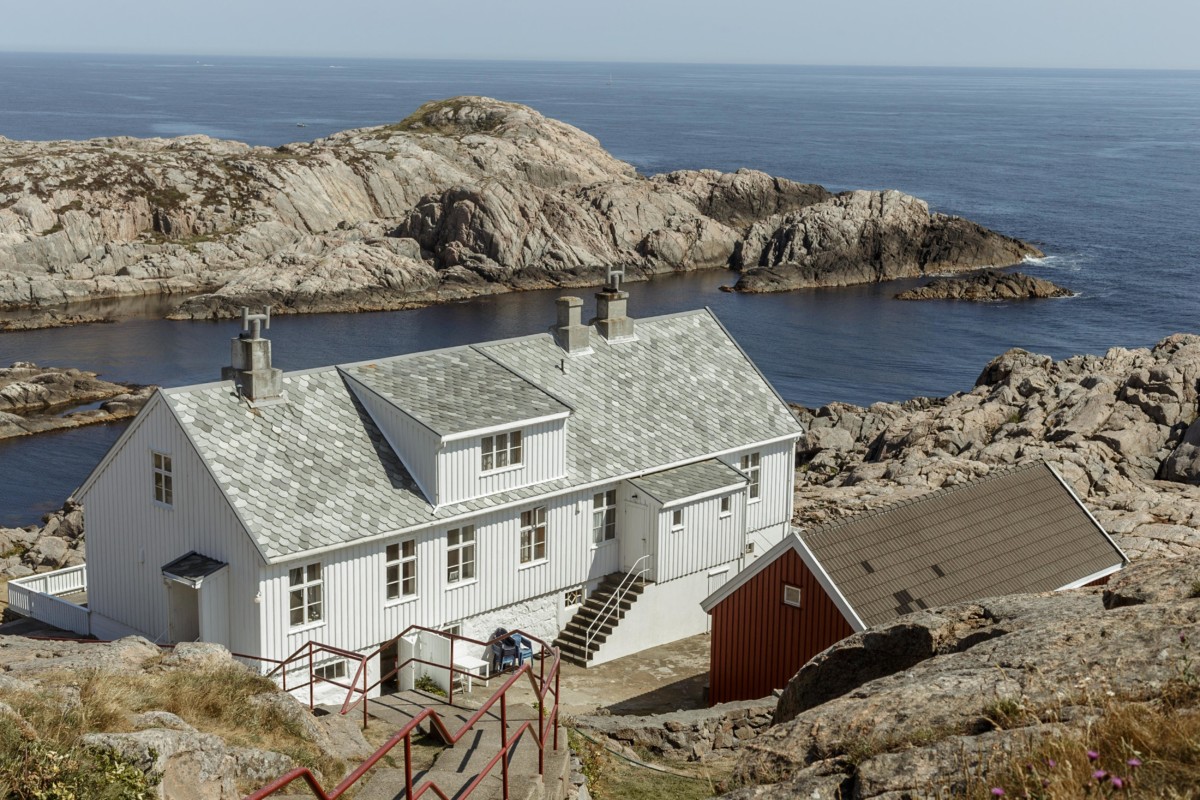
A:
{"points": [[501, 451], [400, 572], [331, 670], [604, 517], [533, 535], [306, 584], [677, 520], [460, 549], [752, 467], [791, 595], [726, 506], [163, 478]]}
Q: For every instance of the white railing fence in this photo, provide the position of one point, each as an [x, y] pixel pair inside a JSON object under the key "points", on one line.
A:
{"points": [[35, 596]]}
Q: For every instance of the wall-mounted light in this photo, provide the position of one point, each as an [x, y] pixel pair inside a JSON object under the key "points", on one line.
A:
{"points": [[258, 599]]}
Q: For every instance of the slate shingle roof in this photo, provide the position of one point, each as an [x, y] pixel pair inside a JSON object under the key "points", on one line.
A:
{"points": [[316, 472], [1012, 532], [454, 391], [689, 480]]}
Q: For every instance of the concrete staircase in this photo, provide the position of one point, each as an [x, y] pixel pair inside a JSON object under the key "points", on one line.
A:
{"points": [[573, 640], [455, 767]]}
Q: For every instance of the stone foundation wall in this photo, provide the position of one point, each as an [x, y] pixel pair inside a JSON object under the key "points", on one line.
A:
{"points": [[699, 735]]}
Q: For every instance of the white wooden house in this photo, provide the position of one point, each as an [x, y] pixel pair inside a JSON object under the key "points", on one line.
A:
{"points": [[507, 484]]}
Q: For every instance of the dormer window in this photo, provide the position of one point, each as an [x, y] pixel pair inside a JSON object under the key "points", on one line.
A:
{"points": [[501, 451]]}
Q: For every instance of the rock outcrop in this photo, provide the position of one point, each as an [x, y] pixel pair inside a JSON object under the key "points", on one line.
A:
{"points": [[927, 704], [35, 399], [214, 745], [57, 543], [466, 196], [1114, 426], [865, 237], [989, 285]]}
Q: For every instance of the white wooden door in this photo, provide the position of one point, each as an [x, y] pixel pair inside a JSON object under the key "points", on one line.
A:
{"points": [[635, 536]]}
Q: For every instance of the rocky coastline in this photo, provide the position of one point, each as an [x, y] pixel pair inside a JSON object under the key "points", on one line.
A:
{"points": [[37, 399], [466, 196], [987, 286]]}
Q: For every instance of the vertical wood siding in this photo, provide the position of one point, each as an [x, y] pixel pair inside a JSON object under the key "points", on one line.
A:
{"points": [[543, 455], [357, 615], [131, 537], [707, 539], [777, 464], [758, 642], [415, 444]]}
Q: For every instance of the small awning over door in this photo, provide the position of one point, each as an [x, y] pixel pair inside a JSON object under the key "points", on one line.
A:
{"points": [[191, 569]]}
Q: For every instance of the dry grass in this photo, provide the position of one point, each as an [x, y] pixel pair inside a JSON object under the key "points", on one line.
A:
{"points": [[1136, 748], [214, 701]]}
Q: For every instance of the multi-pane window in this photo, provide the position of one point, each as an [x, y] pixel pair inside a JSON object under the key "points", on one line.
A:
{"points": [[305, 602], [533, 534], [164, 483], [677, 519], [604, 516], [726, 506], [402, 569], [460, 554], [501, 450], [331, 670], [750, 466]]}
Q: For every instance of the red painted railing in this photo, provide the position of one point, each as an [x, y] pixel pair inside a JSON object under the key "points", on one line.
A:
{"points": [[543, 684]]}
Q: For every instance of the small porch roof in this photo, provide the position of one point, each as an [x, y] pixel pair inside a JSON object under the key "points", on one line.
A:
{"points": [[192, 569], [673, 486]]}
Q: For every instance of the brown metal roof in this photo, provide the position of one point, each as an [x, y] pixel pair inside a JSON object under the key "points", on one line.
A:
{"points": [[1020, 530]]}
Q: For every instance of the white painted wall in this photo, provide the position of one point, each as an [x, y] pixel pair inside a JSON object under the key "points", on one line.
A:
{"points": [[415, 444], [131, 537], [774, 506], [706, 540], [543, 455], [645, 625], [357, 614]]}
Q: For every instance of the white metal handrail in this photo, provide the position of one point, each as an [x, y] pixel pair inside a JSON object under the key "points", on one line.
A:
{"points": [[614, 602]]}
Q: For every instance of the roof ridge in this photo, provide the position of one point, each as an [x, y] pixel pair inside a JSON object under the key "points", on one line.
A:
{"points": [[823, 530]]}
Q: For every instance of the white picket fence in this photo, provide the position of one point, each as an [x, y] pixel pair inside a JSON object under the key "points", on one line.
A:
{"points": [[36, 596]]}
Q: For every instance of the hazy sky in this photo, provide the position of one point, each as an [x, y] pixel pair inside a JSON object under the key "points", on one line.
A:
{"points": [[1023, 33]]}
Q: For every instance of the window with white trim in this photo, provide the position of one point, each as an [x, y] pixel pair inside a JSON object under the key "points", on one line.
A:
{"points": [[677, 520], [305, 594], [331, 670], [604, 516], [501, 450], [726, 506], [164, 478], [402, 569], [460, 554], [533, 535], [791, 595], [752, 468]]}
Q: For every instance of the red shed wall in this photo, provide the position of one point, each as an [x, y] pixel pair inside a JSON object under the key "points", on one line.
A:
{"points": [[758, 642]]}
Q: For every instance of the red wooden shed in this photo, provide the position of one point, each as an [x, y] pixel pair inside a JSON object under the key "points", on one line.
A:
{"points": [[1014, 531]]}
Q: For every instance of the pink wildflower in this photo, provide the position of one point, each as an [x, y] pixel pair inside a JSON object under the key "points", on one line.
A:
{"points": [[1099, 774], [1134, 762], [1118, 783], [997, 791], [1093, 755]]}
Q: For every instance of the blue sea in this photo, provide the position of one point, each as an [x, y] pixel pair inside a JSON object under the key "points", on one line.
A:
{"points": [[1101, 169]]}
